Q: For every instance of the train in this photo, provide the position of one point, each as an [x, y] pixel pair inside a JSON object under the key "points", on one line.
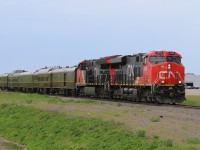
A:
{"points": [[156, 76]]}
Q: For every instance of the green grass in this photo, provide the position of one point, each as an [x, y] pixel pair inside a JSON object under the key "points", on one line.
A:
{"points": [[119, 104], [192, 100], [155, 119], [141, 133], [32, 99], [39, 129], [193, 140]]}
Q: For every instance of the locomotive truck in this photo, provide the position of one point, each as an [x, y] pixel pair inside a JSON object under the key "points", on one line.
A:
{"points": [[157, 76]]}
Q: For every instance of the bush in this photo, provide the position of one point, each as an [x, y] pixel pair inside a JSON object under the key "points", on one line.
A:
{"points": [[141, 133], [119, 104], [168, 143], [193, 141], [156, 119]]}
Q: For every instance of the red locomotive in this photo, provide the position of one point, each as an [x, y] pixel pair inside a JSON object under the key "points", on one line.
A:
{"points": [[157, 76]]}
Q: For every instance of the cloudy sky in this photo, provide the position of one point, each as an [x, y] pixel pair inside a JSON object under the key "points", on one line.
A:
{"points": [[38, 33]]}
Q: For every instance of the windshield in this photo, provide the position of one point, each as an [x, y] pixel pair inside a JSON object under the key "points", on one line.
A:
{"points": [[175, 59], [157, 59]]}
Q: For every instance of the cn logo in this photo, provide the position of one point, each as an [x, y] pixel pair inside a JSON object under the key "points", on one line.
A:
{"points": [[166, 74]]}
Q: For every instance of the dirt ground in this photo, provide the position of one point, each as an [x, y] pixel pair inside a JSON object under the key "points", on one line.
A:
{"points": [[8, 145], [177, 124], [193, 92]]}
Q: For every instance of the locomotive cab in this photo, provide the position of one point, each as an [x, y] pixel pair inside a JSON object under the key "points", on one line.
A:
{"points": [[167, 68], [165, 73]]}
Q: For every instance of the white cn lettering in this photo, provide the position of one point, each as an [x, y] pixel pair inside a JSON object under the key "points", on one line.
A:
{"points": [[162, 74]]}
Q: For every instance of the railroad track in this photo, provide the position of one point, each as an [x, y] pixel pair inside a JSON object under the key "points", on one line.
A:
{"points": [[186, 106], [134, 102], [129, 102]]}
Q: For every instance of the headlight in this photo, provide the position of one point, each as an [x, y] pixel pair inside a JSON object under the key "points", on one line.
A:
{"points": [[169, 66], [179, 82], [162, 81]]}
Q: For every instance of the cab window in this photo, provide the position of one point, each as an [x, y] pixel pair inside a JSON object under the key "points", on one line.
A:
{"points": [[175, 59], [157, 59]]}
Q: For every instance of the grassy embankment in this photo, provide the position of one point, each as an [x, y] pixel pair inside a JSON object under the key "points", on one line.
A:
{"points": [[192, 100], [21, 122]]}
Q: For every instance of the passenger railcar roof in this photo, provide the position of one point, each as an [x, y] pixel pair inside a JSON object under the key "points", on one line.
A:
{"points": [[60, 70], [16, 73], [43, 71], [13, 75], [4, 75], [25, 73], [53, 70]]}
